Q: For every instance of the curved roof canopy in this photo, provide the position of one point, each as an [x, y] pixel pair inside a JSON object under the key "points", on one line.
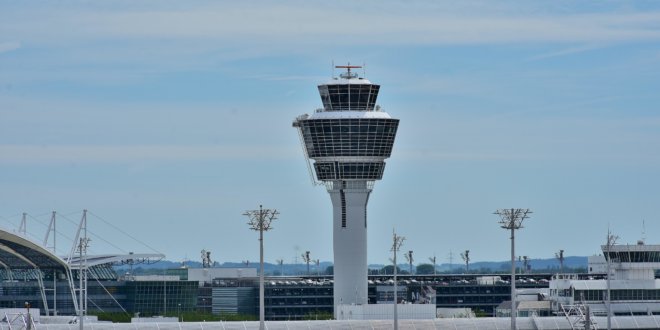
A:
{"points": [[121, 259], [18, 252]]}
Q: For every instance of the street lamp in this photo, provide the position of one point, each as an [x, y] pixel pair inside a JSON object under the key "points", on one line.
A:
{"points": [[512, 219], [82, 274], [306, 259], [466, 257], [410, 260], [560, 256], [397, 241], [260, 220], [432, 259]]}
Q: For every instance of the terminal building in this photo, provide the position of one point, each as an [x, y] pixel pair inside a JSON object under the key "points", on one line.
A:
{"points": [[31, 274]]}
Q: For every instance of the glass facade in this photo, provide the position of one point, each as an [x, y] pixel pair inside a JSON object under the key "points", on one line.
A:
{"points": [[348, 171], [349, 137], [634, 256], [161, 297], [349, 97], [618, 295], [296, 302]]}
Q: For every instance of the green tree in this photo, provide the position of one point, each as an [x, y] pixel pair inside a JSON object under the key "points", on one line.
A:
{"points": [[424, 269], [389, 269]]}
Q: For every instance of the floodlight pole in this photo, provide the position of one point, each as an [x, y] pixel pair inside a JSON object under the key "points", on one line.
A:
{"points": [[260, 220], [82, 249], [432, 259], [512, 219], [560, 257], [397, 241], [306, 259]]}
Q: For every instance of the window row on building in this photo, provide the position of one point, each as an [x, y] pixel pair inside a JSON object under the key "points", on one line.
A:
{"points": [[358, 97], [632, 256], [349, 171], [617, 295]]}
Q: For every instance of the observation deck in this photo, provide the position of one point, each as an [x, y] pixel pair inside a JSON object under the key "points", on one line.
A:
{"points": [[350, 137]]}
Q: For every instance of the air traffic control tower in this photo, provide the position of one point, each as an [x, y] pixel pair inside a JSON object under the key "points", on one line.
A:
{"points": [[349, 140]]}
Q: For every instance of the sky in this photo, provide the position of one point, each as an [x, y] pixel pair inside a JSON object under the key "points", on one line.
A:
{"points": [[167, 120]]}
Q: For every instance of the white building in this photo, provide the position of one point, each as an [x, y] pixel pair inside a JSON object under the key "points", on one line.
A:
{"points": [[634, 289]]}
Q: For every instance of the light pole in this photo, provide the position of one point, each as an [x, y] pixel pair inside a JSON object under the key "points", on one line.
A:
{"points": [[466, 257], [512, 219], [432, 259], [281, 263], [397, 241], [82, 275], [560, 256], [306, 259], [28, 326], [260, 220], [410, 260], [611, 240]]}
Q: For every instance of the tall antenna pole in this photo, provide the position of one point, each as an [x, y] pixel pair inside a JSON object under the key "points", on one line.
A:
{"points": [[512, 219], [611, 240], [451, 261], [82, 275], [397, 241], [260, 220], [643, 231]]}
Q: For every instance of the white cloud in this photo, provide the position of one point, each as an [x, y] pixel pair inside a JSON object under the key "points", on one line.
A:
{"points": [[282, 25], [30, 154], [567, 51]]}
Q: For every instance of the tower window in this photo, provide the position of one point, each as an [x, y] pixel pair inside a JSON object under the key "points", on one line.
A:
{"points": [[342, 196]]}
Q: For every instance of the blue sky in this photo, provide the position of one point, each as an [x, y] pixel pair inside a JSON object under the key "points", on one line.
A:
{"points": [[169, 119]]}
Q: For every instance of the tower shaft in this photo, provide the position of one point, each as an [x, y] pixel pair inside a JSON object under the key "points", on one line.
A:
{"points": [[349, 206]]}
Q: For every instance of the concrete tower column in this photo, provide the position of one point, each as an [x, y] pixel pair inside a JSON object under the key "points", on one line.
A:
{"points": [[349, 213]]}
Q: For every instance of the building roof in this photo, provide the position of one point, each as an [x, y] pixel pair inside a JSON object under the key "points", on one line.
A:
{"points": [[18, 252], [534, 305], [123, 259], [615, 284]]}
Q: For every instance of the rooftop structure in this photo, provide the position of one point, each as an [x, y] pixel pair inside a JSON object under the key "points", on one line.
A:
{"points": [[349, 140]]}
